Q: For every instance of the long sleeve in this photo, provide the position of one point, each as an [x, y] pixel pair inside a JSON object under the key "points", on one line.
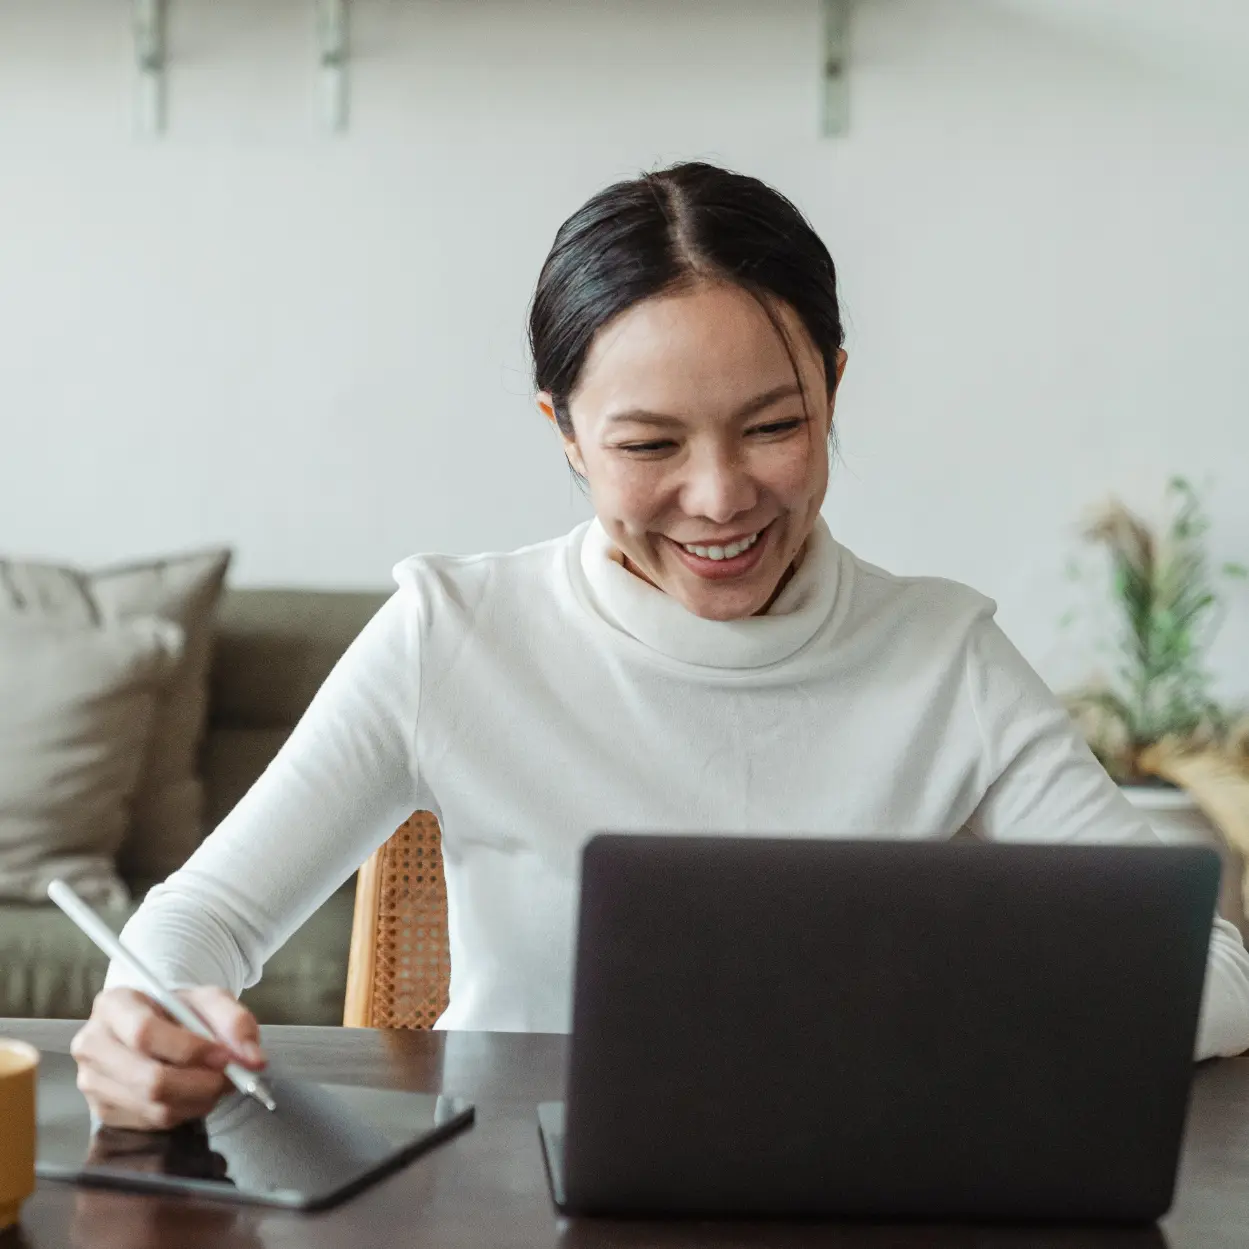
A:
{"points": [[1046, 785], [341, 784]]}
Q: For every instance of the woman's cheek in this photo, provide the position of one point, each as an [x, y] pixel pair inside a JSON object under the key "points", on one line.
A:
{"points": [[791, 476], [635, 491]]}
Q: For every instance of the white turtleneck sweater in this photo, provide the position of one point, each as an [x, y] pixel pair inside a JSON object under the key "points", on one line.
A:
{"points": [[530, 699]]}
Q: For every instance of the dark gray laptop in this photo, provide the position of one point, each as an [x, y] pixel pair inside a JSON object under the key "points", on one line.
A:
{"points": [[769, 1026]]}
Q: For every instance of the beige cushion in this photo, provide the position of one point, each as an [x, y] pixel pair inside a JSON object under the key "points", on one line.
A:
{"points": [[77, 706], [167, 818], [168, 812]]}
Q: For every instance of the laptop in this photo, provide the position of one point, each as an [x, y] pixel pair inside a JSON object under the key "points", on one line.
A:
{"points": [[906, 1030]]}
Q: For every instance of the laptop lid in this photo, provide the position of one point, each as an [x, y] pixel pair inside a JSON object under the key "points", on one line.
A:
{"points": [[801, 1026]]}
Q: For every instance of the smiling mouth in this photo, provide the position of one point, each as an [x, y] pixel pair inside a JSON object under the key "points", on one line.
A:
{"points": [[717, 560], [721, 550]]}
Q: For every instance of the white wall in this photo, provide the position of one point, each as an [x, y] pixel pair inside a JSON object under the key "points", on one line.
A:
{"points": [[313, 347]]}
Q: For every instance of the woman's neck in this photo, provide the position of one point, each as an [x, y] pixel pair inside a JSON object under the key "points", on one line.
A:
{"points": [[797, 607]]}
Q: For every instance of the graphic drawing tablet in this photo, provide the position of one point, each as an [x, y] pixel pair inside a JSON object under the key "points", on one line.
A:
{"points": [[322, 1144]]}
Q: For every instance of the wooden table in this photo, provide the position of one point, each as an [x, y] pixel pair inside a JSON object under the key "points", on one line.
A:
{"points": [[487, 1187]]}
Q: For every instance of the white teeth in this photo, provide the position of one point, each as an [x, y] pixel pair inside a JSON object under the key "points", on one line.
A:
{"points": [[722, 552]]}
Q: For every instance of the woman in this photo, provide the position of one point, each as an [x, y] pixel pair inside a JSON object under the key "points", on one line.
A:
{"points": [[702, 655]]}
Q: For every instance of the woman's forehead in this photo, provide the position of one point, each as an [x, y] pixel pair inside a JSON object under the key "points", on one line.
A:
{"points": [[702, 350]]}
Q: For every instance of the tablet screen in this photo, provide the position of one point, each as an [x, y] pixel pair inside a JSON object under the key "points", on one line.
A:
{"points": [[322, 1143]]}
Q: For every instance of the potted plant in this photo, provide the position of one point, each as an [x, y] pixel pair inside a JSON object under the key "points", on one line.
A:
{"points": [[1153, 724]]}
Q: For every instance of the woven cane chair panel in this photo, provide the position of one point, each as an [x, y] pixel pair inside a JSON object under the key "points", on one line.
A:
{"points": [[412, 968]]}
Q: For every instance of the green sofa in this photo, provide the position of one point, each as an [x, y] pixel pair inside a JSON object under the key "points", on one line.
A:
{"points": [[273, 649]]}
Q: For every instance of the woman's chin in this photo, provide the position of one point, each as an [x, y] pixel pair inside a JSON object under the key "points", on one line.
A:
{"points": [[724, 600], [723, 611]]}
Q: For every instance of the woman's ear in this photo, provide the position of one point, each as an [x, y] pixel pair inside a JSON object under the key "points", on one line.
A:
{"points": [[840, 367], [546, 405]]}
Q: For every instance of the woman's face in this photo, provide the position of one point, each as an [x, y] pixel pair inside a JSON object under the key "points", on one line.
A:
{"points": [[703, 467]]}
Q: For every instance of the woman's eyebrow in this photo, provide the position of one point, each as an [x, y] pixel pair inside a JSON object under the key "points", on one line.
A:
{"points": [[644, 416]]}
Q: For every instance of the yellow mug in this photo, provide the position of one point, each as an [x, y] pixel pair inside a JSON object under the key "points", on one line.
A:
{"points": [[19, 1067]]}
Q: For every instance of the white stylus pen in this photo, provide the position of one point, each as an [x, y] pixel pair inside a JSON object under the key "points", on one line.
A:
{"points": [[245, 1081]]}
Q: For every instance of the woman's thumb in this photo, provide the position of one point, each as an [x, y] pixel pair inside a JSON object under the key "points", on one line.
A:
{"points": [[231, 1021]]}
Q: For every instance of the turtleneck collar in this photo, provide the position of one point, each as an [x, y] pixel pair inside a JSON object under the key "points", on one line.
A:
{"points": [[636, 608]]}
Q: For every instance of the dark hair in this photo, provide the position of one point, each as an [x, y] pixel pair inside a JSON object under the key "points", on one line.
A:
{"points": [[664, 231]]}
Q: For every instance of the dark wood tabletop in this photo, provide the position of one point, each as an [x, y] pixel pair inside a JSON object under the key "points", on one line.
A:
{"points": [[487, 1186]]}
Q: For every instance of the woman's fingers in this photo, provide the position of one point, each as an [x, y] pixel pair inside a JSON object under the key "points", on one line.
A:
{"points": [[115, 1105], [138, 1023], [118, 1105], [231, 1021], [133, 1081], [139, 1068]]}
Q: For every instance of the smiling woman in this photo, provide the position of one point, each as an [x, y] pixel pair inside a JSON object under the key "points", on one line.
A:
{"points": [[702, 656], [687, 344]]}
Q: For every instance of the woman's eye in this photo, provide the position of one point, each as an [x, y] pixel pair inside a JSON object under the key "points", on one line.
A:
{"points": [[659, 446], [645, 448], [777, 427]]}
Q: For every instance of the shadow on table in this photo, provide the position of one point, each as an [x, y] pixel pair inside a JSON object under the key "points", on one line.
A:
{"points": [[106, 1218], [110, 1219], [712, 1234]]}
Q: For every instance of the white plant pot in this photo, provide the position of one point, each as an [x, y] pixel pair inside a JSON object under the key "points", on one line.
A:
{"points": [[1178, 820], [1175, 817]]}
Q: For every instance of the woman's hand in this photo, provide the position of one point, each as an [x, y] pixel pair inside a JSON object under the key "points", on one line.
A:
{"points": [[138, 1068]]}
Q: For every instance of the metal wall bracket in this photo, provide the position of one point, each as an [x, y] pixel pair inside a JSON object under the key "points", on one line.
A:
{"points": [[150, 50], [836, 110], [332, 36]]}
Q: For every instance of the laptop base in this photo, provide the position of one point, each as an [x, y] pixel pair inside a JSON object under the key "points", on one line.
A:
{"points": [[551, 1130]]}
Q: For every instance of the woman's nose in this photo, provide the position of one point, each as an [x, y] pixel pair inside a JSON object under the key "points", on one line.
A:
{"points": [[718, 488]]}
